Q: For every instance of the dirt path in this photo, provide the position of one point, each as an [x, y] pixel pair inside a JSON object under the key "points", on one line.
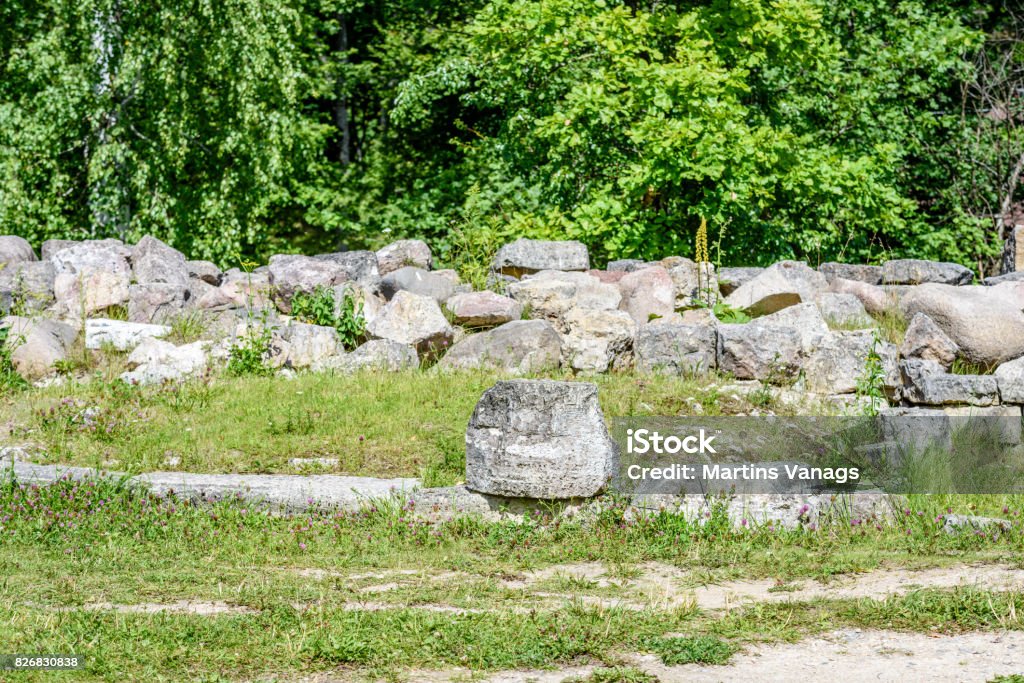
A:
{"points": [[849, 656]]}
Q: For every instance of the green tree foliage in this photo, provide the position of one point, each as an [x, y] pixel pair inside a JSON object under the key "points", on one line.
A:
{"points": [[797, 128]]}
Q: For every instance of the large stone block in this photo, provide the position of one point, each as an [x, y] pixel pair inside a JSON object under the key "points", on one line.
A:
{"points": [[404, 253], [120, 334], [520, 346], [676, 348], [483, 309], [416, 321], [539, 439], [916, 272], [784, 284], [647, 294], [986, 323], [37, 345], [156, 262], [524, 256]]}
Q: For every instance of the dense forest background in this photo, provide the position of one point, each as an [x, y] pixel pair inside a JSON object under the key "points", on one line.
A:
{"points": [[853, 130]]}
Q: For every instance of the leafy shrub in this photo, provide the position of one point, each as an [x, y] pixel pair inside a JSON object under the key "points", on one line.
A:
{"points": [[247, 355], [320, 308], [10, 380]]}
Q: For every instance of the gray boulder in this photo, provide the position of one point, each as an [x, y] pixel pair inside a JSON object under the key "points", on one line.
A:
{"points": [[1017, 276], [694, 285], [926, 384], [483, 309], [924, 339], [205, 271], [837, 362], [37, 345], [676, 348], [301, 345], [774, 347], [784, 284], [290, 274], [413, 320], [120, 334], [155, 361], [525, 256], [647, 293], [916, 272], [404, 253], [987, 328], [552, 294], [539, 439], [90, 277], [519, 346], [360, 266], [597, 340], [1010, 377], [376, 354], [156, 262], [28, 284], [731, 279], [849, 271], [14, 249], [843, 310], [874, 299], [156, 302], [417, 281], [626, 265]]}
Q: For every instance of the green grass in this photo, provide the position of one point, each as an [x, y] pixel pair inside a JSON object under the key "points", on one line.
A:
{"points": [[79, 543], [376, 424]]}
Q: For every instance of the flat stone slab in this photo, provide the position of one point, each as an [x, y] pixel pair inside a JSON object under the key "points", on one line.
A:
{"points": [[285, 492]]}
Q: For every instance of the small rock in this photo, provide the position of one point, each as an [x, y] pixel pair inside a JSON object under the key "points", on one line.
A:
{"points": [[956, 524], [848, 271], [376, 354], [360, 266], [417, 281], [119, 334], [156, 302], [772, 347], [553, 294], [206, 271], [14, 249], [874, 299], [300, 345], [843, 310], [404, 253], [626, 265], [694, 285], [154, 361], [985, 324], [926, 384], [1010, 377], [925, 340], [731, 279], [483, 309]]}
